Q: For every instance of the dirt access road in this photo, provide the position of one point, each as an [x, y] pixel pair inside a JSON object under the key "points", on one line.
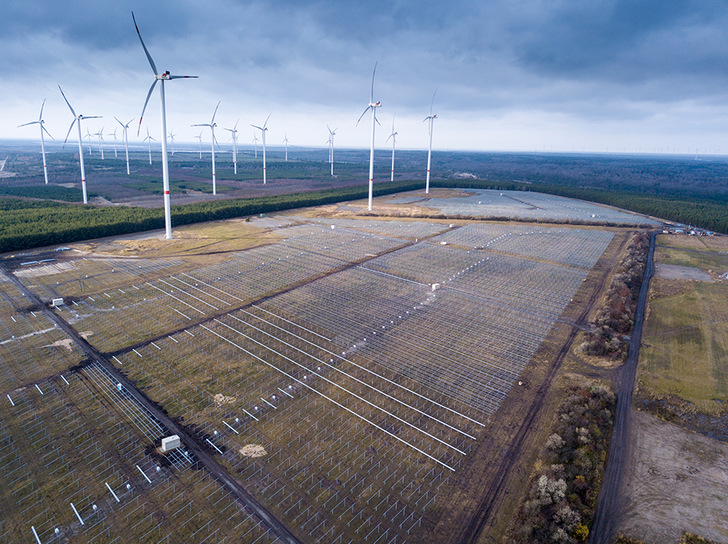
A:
{"points": [[608, 504]]}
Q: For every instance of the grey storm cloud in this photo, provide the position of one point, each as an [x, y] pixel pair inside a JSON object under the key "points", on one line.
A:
{"points": [[601, 59]]}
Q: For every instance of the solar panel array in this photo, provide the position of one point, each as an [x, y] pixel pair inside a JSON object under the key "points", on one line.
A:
{"points": [[324, 373], [528, 206]]}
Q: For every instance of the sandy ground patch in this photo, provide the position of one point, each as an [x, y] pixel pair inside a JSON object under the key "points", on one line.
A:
{"points": [[67, 343], [676, 481], [221, 399], [253, 450], [676, 272]]}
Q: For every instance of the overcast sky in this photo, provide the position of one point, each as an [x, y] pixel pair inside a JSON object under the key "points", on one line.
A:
{"points": [[528, 75]]}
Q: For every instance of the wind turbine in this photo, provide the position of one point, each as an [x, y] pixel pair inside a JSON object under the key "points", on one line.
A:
{"points": [[394, 143], [372, 106], [126, 141], [212, 126], [263, 129], [171, 138], [199, 139], [431, 118], [164, 76], [40, 123], [149, 139], [285, 142], [234, 133], [78, 118], [332, 133], [114, 135], [88, 141], [255, 143], [100, 134]]}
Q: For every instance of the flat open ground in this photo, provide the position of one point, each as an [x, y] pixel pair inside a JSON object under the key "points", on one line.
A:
{"points": [[358, 376], [676, 480], [685, 341]]}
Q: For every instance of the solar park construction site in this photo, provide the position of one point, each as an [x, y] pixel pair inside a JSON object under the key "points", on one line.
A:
{"points": [[343, 378]]}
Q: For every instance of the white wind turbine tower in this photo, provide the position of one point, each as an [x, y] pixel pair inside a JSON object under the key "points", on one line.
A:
{"points": [[212, 126], [332, 133], [125, 128], [394, 143], [285, 142], [255, 143], [431, 118], [40, 123], [115, 139], [199, 140], [171, 139], [77, 119], [372, 106], [149, 139], [165, 76], [263, 129], [100, 134], [234, 133]]}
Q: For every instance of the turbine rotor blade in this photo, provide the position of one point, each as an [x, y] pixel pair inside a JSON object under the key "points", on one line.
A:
{"points": [[26, 124], [215, 113], [266, 121], [371, 95], [67, 102], [363, 114], [69, 131], [182, 77], [145, 106], [46, 131], [256, 126], [146, 51], [40, 117]]}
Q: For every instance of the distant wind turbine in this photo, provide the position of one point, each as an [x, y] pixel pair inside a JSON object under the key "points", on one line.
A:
{"points": [[77, 119], [100, 134], [263, 129], [285, 142], [212, 126], [115, 139], [164, 76], [234, 133], [393, 135], [255, 143], [40, 123], [88, 141], [199, 140], [372, 106], [126, 141], [332, 133], [171, 139], [149, 139], [431, 118]]}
